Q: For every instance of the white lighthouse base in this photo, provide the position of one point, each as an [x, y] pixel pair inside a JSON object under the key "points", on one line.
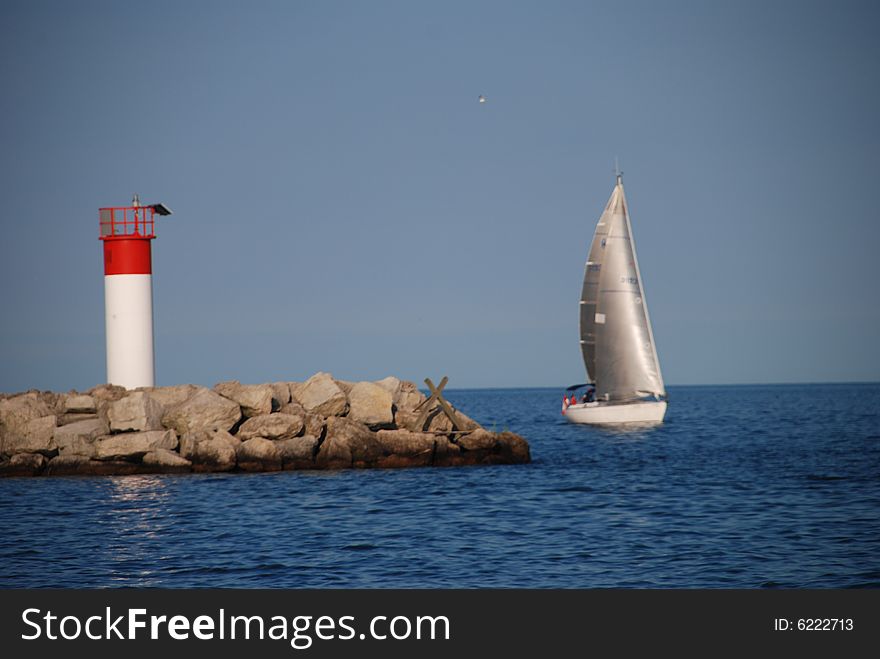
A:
{"points": [[128, 308]]}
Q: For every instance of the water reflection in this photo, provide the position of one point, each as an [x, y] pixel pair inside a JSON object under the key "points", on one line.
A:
{"points": [[137, 523]]}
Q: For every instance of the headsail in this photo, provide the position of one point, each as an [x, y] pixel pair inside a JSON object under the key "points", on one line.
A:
{"points": [[616, 337]]}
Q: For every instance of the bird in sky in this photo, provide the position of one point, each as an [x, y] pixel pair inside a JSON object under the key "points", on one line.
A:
{"points": [[482, 99]]}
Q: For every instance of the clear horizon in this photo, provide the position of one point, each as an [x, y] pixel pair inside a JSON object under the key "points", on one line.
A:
{"points": [[344, 203]]}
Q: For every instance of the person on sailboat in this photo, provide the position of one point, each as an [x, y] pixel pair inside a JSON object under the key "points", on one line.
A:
{"points": [[590, 395]]}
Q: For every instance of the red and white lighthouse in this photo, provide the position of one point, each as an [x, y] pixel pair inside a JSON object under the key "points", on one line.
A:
{"points": [[128, 292]]}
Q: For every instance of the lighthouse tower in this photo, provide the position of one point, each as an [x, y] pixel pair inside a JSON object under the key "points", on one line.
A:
{"points": [[128, 292]]}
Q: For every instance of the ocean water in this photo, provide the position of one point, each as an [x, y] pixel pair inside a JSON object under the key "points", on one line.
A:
{"points": [[742, 487]]}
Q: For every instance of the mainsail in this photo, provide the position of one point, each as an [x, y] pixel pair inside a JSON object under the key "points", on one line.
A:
{"points": [[616, 337]]}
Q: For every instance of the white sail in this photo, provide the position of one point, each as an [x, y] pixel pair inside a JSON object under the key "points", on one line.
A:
{"points": [[616, 337]]}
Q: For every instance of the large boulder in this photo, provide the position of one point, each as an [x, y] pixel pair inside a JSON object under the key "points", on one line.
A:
{"points": [[254, 399], [402, 448], [370, 404], [390, 384], [313, 424], [78, 404], [446, 453], [204, 410], [280, 395], [348, 444], [133, 446], [298, 452], [78, 438], [168, 397], [23, 464], [321, 395], [210, 451], [80, 465], [105, 394], [66, 419], [292, 407], [513, 449], [271, 426], [478, 440], [16, 411], [33, 436], [166, 462], [484, 447], [407, 397], [137, 411], [259, 454]]}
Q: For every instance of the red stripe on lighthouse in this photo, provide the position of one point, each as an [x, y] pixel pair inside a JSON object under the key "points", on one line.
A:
{"points": [[127, 256]]}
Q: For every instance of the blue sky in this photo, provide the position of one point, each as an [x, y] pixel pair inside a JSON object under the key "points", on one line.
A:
{"points": [[343, 202]]}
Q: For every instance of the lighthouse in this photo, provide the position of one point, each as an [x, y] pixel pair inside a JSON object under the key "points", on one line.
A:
{"points": [[127, 233]]}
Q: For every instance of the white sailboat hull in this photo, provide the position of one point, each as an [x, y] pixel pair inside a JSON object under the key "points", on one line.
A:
{"points": [[609, 413]]}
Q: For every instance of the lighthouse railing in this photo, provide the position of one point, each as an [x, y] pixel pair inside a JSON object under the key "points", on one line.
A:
{"points": [[119, 222]]}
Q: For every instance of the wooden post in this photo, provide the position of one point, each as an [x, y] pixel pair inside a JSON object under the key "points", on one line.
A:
{"points": [[437, 397]]}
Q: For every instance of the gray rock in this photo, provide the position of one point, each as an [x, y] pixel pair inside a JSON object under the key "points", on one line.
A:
{"points": [[321, 395], [272, 426], [514, 449], [210, 451], [484, 447], [33, 436], [23, 464], [78, 465], [390, 384], [79, 404], [334, 454], [67, 465], [254, 399], [168, 397], [134, 445], [166, 461], [298, 452], [348, 444], [16, 411], [370, 404], [107, 393], [280, 394], [79, 437], [79, 446], [137, 411], [446, 453], [477, 440], [204, 410], [345, 385], [66, 419], [294, 388], [292, 407], [402, 448], [259, 454], [314, 425], [408, 396]]}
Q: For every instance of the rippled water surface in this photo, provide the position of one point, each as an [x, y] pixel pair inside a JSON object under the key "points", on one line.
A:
{"points": [[741, 487]]}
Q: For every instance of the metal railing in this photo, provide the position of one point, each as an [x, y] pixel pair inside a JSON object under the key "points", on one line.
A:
{"points": [[127, 221]]}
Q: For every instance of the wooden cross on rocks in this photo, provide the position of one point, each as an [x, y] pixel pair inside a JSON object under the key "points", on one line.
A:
{"points": [[437, 397]]}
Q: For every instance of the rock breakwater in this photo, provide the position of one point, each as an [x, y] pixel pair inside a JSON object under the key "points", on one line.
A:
{"points": [[322, 423]]}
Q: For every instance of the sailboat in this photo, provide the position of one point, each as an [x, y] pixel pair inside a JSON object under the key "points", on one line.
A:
{"points": [[617, 342]]}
